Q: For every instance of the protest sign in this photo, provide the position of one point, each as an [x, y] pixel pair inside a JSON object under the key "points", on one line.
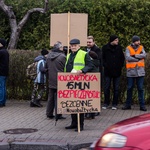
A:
{"points": [[66, 26], [78, 93]]}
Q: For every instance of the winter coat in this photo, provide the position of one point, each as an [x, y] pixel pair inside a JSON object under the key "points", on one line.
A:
{"points": [[95, 61], [55, 63], [41, 72], [113, 60], [137, 71], [98, 51], [4, 62]]}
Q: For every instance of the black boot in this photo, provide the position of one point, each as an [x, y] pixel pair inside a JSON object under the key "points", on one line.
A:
{"points": [[37, 103], [97, 114], [32, 104]]}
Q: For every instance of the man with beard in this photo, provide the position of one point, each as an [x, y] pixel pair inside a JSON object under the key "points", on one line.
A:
{"points": [[92, 47], [135, 56]]}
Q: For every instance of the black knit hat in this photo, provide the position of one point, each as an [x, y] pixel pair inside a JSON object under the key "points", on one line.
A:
{"points": [[44, 52], [112, 38], [93, 55], [135, 38], [3, 42]]}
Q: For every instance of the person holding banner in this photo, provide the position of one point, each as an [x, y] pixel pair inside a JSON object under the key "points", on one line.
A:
{"points": [[78, 61], [55, 63]]}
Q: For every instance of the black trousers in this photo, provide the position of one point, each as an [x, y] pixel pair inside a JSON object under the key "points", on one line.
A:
{"points": [[75, 120], [51, 102]]}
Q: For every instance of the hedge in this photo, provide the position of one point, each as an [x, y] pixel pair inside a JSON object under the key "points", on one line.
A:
{"points": [[20, 87]]}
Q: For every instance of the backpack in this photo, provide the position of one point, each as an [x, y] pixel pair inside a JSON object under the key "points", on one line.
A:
{"points": [[31, 71]]}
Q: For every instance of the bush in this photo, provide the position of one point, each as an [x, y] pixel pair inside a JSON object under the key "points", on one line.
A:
{"points": [[19, 87]]}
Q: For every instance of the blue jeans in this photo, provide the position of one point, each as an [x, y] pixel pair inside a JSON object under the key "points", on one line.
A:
{"points": [[116, 81], [2, 90], [130, 85]]}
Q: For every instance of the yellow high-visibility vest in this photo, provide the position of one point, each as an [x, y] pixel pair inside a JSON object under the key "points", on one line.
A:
{"points": [[79, 61]]}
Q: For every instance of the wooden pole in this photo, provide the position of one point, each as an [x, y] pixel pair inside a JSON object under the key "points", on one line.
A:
{"points": [[78, 115], [68, 31]]}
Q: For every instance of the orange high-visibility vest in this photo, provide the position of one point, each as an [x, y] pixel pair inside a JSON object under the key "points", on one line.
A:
{"points": [[140, 63]]}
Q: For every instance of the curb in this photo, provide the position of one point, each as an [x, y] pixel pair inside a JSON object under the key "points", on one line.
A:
{"points": [[42, 146]]}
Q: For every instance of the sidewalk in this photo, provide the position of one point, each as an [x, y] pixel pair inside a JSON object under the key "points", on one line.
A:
{"points": [[18, 114]]}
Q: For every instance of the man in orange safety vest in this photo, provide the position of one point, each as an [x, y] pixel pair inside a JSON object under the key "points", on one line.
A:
{"points": [[135, 56]]}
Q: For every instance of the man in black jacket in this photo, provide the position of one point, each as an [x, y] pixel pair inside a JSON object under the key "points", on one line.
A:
{"points": [[113, 61], [4, 70], [91, 46]]}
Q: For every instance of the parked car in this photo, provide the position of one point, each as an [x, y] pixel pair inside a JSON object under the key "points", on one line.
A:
{"points": [[129, 134]]}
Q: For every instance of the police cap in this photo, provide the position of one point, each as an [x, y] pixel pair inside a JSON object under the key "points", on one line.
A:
{"points": [[75, 41]]}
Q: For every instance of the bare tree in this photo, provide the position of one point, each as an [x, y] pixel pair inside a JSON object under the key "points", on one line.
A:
{"points": [[16, 28]]}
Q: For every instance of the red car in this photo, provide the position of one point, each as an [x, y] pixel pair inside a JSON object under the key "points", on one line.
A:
{"points": [[129, 134]]}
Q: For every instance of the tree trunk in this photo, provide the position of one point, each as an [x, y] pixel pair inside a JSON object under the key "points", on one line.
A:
{"points": [[16, 28]]}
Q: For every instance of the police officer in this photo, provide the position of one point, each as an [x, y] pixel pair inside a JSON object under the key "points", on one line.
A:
{"points": [[80, 61]]}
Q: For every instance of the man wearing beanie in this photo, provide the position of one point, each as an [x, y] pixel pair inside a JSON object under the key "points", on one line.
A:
{"points": [[79, 61], [113, 62], [135, 56], [40, 81], [4, 70]]}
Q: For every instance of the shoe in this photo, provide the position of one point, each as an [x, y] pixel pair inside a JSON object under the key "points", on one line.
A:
{"points": [[71, 127], [126, 107], [50, 117], [87, 115], [32, 104], [143, 109], [35, 103], [114, 108], [88, 118], [97, 114], [38, 104], [81, 129], [104, 107], [93, 117], [1, 105], [61, 117]]}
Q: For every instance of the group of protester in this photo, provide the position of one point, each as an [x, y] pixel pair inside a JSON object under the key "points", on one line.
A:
{"points": [[109, 61]]}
